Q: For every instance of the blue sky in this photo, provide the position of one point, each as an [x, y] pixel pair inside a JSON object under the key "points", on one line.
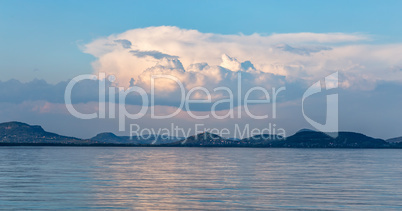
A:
{"points": [[40, 39]]}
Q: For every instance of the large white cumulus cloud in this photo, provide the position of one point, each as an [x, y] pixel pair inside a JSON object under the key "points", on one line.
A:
{"points": [[204, 59]]}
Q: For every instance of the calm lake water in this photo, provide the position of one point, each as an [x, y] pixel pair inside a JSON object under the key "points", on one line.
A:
{"points": [[199, 178]]}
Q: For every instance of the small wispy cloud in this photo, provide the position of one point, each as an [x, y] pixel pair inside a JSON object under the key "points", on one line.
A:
{"points": [[124, 43], [153, 54]]}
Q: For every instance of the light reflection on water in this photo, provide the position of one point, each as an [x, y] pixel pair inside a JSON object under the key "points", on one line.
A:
{"points": [[199, 178]]}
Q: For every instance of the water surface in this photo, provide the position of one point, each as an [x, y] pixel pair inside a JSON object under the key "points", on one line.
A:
{"points": [[199, 178]]}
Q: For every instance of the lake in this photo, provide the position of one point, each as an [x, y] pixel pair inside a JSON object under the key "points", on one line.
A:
{"points": [[199, 178]]}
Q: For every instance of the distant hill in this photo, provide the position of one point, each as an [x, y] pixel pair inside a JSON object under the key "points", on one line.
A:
{"points": [[343, 140], [18, 133], [266, 140], [394, 140], [305, 130], [111, 138], [108, 138], [204, 139], [302, 139]]}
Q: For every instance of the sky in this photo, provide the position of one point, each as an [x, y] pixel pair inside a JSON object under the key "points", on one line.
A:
{"points": [[43, 44], [46, 35]]}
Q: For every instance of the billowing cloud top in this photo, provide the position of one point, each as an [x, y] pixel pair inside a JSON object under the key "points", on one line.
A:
{"points": [[205, 59]]}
